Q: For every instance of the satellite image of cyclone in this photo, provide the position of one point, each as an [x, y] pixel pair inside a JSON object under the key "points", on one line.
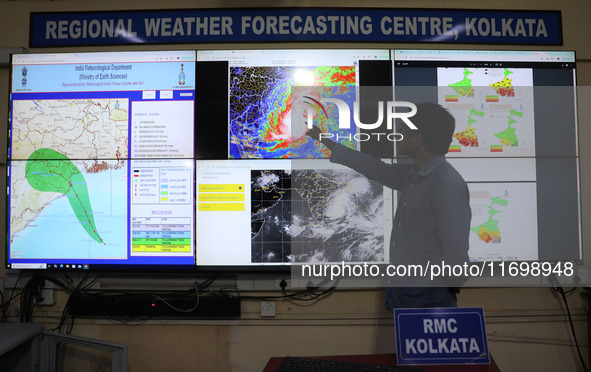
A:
{"points": [[313, 216], [263, 109], [270, 216]]}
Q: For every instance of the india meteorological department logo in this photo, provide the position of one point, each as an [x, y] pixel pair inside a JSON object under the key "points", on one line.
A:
{"points": [[182, 76], [319, 107], [24, 72]]}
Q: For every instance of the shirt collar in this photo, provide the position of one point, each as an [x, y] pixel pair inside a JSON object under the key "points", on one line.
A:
{"points": [[431, 165]]}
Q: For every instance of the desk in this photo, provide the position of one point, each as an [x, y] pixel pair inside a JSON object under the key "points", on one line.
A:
{"points": [[20, 346], [390, 360]]}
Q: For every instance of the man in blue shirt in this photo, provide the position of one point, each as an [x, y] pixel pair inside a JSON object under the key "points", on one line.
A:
{"points": [[432, 221]]}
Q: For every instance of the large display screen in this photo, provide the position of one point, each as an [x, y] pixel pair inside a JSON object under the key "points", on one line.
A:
{"points": [[515, 144], [189, 160], [275, 212], [100, 160], [282, 211], [249, 110]]}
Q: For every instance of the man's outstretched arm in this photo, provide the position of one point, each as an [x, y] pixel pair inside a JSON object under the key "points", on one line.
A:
{"points": [[389, 175]]}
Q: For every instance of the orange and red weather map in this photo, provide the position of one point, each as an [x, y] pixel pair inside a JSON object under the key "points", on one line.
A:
{"points": [[261, 110]]}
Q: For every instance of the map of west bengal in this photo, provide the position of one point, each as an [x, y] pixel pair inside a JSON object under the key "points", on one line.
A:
{"points": [[489, 231], [261, 116], [63, 190], [316, 216], [503, 221], [493, 108], [508, 137], [464, 87], [468, 137], [505, 87]]}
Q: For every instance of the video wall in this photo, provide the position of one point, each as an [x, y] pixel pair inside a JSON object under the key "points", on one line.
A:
{"points": [[515, 144], [181, 160]]}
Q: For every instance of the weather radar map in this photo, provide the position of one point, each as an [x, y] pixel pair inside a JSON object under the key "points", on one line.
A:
{"points": [[53, 188], [262, 120], [316, 215]]}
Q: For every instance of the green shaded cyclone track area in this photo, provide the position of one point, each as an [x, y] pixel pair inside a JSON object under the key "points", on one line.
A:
{"points": [[50, 171]]}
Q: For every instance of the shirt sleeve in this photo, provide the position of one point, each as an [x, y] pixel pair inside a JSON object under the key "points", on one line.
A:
{"points": [[389, 175]]}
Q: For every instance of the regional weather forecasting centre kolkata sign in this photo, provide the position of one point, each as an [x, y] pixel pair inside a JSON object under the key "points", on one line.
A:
{"points": [[441, 336], [296, 24]]}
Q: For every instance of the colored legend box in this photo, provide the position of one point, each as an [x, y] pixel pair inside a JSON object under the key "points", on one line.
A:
{"points": [[164, 235], [450, 98], [161, 242], [496, 148], [225, 207], [221, 197], [221, 188], [455, 148], [492, 98], [161, 248]]}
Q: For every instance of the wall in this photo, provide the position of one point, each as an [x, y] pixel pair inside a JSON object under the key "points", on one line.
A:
{"points": [[527, 327]]}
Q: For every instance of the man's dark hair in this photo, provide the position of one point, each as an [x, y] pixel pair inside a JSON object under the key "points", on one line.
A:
{"points": [[436, 125]]}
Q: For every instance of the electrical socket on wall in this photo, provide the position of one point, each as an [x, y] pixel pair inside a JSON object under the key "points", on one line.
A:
{"points": [[46, 297], [268, 308]]}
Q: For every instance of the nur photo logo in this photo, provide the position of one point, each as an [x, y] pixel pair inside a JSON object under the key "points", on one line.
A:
{"points": [[316, 109]]}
